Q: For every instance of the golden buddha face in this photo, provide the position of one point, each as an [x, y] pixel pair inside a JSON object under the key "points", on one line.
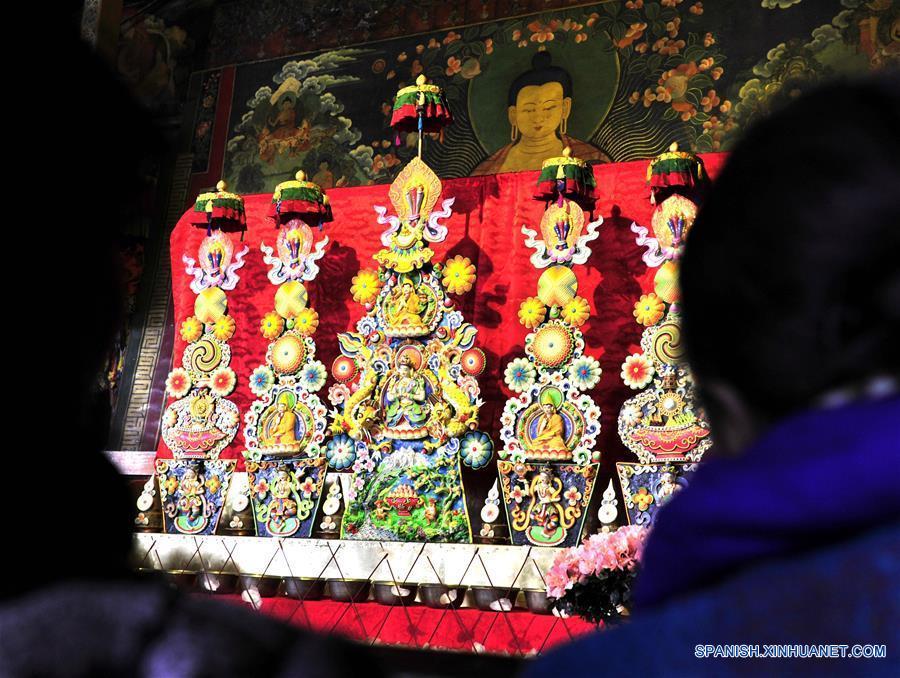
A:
{"points": [[540, 109]]}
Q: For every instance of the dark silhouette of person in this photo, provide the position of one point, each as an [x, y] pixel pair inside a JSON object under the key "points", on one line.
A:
{"points": [[789, 532], [70, 605]]}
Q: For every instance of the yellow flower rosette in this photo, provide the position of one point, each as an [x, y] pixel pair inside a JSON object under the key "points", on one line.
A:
{"points": [[306, 322], [649, 309], [272, 325], [459, 275], [191, 329], [576, 312], [366, 286], [223, 328], [532, 312]]}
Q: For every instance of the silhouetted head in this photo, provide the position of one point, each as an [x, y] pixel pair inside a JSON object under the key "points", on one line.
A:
{"points": [[790, 279], [100, 168]]}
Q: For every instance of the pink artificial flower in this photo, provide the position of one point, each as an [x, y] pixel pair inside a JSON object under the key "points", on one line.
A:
{"points": [[619, 550], [558, 581]]}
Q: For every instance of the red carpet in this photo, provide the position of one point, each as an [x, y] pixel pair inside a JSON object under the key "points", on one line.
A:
{"points": [[468, 629]]}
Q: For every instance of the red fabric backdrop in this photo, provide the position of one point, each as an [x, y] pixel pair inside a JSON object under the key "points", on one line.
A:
{"points": [[488, 215], [518, 633]]}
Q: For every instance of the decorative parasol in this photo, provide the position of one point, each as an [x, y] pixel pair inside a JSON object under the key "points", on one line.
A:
{"points": [[420, 108], [300, 199], [220, 210], [567, 177]]}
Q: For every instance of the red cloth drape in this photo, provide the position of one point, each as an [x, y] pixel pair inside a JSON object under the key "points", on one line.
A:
{"points": [[488, 216], [518, 632]]}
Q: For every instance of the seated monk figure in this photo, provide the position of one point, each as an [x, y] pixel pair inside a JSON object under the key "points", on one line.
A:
{"points": [[550, 434], [539, 106], [280, 427], [405, 306]]}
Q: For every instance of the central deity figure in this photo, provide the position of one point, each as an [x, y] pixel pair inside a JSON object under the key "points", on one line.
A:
{"points": [[545, 501], [406, 396], [283, 508], [191, 512]]}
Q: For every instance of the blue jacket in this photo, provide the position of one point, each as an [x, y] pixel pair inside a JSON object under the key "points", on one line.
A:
{"points": [[797, 541]]}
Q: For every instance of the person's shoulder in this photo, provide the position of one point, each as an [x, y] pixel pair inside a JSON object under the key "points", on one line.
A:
{"points": [[843, 594], [128, 627]]}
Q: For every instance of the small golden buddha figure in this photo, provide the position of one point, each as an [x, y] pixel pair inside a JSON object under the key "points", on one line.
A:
{"points": [[550, 433], [280, 426], [405, 306]]}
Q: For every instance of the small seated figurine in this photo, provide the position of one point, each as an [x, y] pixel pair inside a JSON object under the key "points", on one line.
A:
{"points": [[283, 509], [190, 515], [550, 433], [667, 487], [405, 307], [280, 427], [545, 509], [547, 520]]}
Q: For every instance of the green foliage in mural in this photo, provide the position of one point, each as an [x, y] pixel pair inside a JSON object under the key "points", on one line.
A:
{"points": [[643, 74]]}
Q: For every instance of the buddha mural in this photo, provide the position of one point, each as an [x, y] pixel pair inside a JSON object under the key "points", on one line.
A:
{"points": [[539, 103], [324, 176], [283, 134]]}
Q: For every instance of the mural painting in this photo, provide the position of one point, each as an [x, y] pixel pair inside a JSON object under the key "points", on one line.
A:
{"points": [[615, 81]]}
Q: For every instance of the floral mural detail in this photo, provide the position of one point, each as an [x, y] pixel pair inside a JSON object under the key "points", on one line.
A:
{"points": [[862, 35], [674, 71], [201, 142]]}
